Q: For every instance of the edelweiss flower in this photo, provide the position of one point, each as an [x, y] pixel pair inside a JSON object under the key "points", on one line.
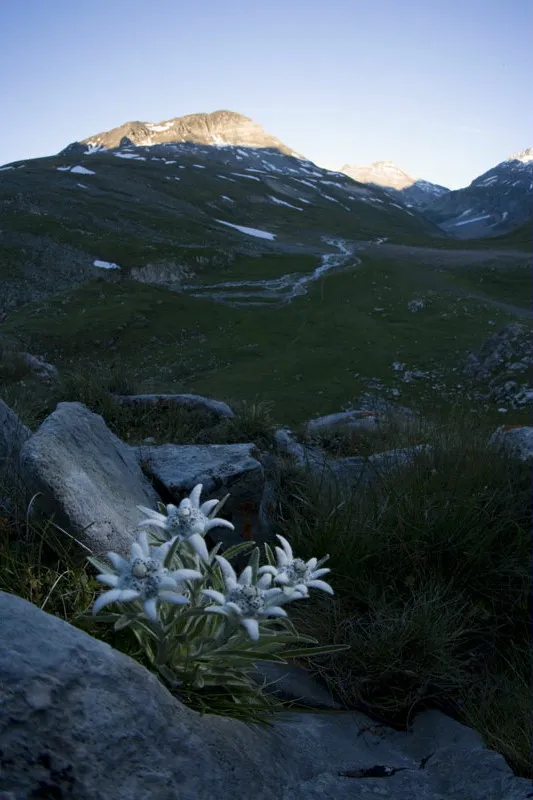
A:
{"points": [[188, 521], [246, 600], [294, 574], [145, 577]]}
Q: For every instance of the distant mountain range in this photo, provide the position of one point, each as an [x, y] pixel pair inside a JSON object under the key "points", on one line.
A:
{"points": [[496, 202], [388, 176]]}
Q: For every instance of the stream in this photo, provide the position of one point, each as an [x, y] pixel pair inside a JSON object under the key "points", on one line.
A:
{"points": [[282, 290]]}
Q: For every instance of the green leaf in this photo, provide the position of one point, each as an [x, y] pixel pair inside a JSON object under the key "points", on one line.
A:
{"points": [[270, 555], [250, 655], [231, 552], [101, 566], [253, 562], [315, 651], [124, 621]]}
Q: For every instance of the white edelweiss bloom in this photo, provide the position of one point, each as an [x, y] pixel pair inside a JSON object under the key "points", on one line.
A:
{"points": [[246, 600], [294, 574], [144, 577], [189, 521]]}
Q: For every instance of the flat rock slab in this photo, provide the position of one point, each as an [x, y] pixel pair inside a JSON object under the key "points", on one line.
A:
{"points": [[88, 479], [222, 469], [81, 721], [192, 401], [517, 441]]}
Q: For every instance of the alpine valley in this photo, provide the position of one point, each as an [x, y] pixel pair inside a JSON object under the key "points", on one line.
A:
{"points": [[202, 254]]}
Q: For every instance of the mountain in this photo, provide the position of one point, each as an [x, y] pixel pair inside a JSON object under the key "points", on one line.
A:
{"points": [[408, 190], [493, 204], [162, 211], [218, 128]]}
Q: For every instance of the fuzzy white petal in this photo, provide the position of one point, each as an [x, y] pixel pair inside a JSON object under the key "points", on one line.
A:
{"points": [[195, 495], [234, 607], [128, 594], [137, 551], [321, 585], [245, 578], [151, 513], [283, 559], [319, 572], [108, 579], [264, 581], [227, 569], [252, 628], [275, 611], [118, 562], [217, 522], [311, 564], [150, 608], [286, 546], [158, 523], [105, 599], [186, 574], [267, 568], [214, 595], [199, 546], [208, 506]]}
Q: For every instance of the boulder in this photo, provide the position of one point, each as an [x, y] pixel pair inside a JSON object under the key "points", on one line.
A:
{"points": [[89, 480], [221, 468], [192, 401], [41, 369], [13, 434], [357, 420], [82, 721], [517, 440]]}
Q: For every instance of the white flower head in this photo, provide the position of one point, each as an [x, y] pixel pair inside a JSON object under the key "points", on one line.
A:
{"points": [[187, 522], [294, 574], [246, 600], [144, 577]]}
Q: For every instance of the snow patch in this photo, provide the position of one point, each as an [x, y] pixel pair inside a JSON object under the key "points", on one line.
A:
{"points": [[468, 221], [199, 166], [283, 203], [250, 231], [250, 177], [82, 171], [105, 264], [130, 155]]}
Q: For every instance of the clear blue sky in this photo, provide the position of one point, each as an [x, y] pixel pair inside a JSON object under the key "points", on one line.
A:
{"points": [[440, 87]]}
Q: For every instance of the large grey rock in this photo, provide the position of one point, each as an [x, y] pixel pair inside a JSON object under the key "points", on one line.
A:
{"points": [[42, 369], [13, 434], [222, 469], [89, 479], [516, 441], [81, 721], [193, 401]]}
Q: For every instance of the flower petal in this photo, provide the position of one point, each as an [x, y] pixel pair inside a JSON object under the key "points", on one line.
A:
{"points": [[245, 578], [286, 547], [252, 628], [283, 559], [319, 572], [150, 608], [226, 568], [186, 574], [267, 568], [208, 506], [231, 606], [159, 523], [275, 611], [214, 595], [217, 522], [264, 581], [108, 579], [128, 594], [105, 599], [195, 495], [311, 564], [199, 546], [118, 562], [151, 513], [321, 585]]}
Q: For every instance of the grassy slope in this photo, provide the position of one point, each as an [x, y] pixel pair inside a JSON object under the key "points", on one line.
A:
{"points": [[310, 357]]}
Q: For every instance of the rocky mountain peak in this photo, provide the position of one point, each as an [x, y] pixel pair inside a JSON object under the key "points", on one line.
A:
{"points": [[218, 128], [382, 173], [524, 156]]}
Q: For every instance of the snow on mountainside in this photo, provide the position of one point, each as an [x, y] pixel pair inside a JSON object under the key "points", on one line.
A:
{"points": [[218, 128], [388, 176], [495, 203]]}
